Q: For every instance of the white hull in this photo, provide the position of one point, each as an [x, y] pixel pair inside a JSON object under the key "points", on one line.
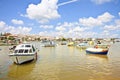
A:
{"points": [[19, 59], [23, 53]]}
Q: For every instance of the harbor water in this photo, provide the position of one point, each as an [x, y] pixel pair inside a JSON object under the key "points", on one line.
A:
{"points": [[63, 63]]}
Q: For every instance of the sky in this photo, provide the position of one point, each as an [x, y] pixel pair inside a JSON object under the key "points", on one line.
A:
{"points": [[61, 18]]}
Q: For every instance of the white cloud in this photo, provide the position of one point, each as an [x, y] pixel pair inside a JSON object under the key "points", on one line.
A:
{"points": [[60, 28], [78, 29], [46, 26], [88, 28], [100, 1], [67, 26], [114, 27], [13, 29], [110, 27], [108, 34], [2, 25], [42, 33], [89, 34], [100, 20], [44, 11], [83, 27], [117, 22], [19, 30], [90, 22], [105, 33], [106, 17], [15, 21], [119, 13], [47, 33], [64, 3]]}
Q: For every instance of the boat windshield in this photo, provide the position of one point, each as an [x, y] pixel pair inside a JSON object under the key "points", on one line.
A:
{"points": [[30, 51], [27, 46], [26, 51], [21, 51]]}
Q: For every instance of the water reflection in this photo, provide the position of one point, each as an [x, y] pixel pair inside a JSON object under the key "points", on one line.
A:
{"points": [[64, 63], [97, 57], [19, 71], [81, 49]]}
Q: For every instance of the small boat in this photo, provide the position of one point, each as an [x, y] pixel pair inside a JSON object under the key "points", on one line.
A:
{"points": [[102, 46], [23, 53], [63, 43], [70, 44], [49, 44], [82, 45], [97, 51]]}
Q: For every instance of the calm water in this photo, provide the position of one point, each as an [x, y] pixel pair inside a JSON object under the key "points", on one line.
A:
{"points": [[63, 63]]}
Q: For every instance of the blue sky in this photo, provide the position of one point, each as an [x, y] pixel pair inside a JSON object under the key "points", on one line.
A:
{"points": [[67, 18]]}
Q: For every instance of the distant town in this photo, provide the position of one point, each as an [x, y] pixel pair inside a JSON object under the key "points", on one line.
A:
{"points": [[13, 39]]}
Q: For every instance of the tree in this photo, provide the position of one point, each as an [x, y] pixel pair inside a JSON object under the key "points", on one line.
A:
{"points": [[11, 38], [63, 39]]}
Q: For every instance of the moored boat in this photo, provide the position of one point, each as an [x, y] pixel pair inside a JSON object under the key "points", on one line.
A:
{"points": [[82, 45], [97, 51], [23, 53], [63, 43], [105, 46], [70, 44], [48, 44]]}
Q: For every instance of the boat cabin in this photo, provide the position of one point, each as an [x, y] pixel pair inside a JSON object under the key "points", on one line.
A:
{"points": [[25, 48]]}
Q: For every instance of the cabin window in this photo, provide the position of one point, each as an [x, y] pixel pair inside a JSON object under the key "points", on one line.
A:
{"points": [[15, 51], [30, 51], [33, 48], [27, 45], [20, 51], [26, 51]]}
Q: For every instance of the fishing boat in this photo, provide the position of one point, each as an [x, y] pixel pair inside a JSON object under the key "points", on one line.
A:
{"points": [[23, 53], [97, 51]]}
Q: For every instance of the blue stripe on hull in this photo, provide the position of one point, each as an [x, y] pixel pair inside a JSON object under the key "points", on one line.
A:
{"points": [[103, 53]]}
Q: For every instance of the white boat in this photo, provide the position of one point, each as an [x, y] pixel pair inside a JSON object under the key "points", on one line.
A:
{"points": [[97, 51], [23, 53], [82, 45], [48, 44]]}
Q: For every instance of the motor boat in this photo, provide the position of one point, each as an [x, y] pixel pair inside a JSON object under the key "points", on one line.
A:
{"points": [[48, 44], [23, 53], [97, 51], [82, 45]]}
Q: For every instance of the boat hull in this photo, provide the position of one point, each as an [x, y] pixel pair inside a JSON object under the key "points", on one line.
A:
{"points": [[19, 59], [49, 45], [102, 52], [81, 47]]}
